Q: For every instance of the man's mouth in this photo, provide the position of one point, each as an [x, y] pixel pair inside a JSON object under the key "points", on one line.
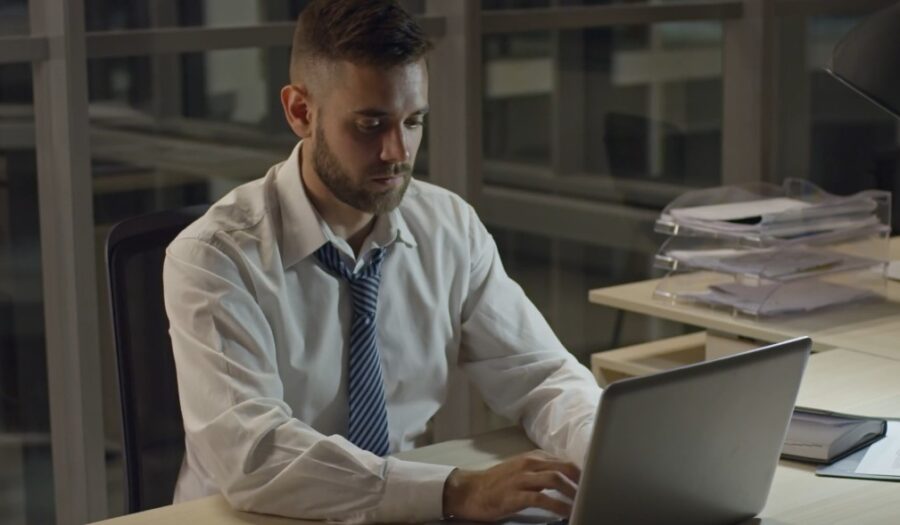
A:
{"points": [[389, 180]]}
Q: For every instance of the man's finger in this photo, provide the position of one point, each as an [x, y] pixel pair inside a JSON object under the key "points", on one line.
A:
{"points": [[543, 501], [569, 469], [550, 480]]}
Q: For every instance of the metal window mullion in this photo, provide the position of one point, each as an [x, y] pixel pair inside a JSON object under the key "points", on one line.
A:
{"points": [[166, 40], [792, 150], [455, 99], [19, 49], [568, 101], [799, 8], [580, 17], [67, 262], [454, 157], [163, 40], [749, 89], [165, 68], [274, 70], [656, 108]]}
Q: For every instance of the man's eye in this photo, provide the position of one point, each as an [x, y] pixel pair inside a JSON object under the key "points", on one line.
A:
{"points": [[416, 123], [369, 124]]}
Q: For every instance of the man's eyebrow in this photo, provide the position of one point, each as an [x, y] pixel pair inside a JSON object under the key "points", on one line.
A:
{"points": [[370, 113], [378, 113]]}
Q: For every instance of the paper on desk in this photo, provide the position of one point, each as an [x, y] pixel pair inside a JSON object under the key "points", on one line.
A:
{"points": [[778, 217], [893, 270], [786, 229], [781, 298], [883, 457], [777, 210], [735, 211], [782, 264]]}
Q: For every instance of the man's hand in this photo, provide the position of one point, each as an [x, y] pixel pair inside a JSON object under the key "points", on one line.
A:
{"points": [[511, 486]]}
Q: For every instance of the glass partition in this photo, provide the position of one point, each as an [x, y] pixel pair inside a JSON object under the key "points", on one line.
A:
{"points": [[608, 125], [13, 17], [26, 468]]}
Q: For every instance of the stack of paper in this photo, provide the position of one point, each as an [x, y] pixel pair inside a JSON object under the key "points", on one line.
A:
{"points": [[780, 264], [774, 250], [778, 217], [780, 298]]}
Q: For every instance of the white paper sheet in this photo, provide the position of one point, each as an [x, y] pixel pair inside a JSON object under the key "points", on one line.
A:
{"points": [[883, 456], [738, 210], [800, 296], [893, 270], [781, 264], [778, 217]]}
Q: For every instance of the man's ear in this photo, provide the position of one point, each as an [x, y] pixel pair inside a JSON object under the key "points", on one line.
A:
{"points": [[295, 100]]}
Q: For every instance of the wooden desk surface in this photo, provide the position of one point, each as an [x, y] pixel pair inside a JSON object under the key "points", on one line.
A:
{"points": [[866, 327], [838, 380]]}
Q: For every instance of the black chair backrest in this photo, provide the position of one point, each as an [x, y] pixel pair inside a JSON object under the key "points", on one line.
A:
{"points": [[151, 415]]}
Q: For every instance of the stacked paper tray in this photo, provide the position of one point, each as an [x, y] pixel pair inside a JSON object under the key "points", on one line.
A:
{"points": [[774, 250]]}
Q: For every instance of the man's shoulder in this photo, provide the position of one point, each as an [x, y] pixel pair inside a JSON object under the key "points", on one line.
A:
{"points": [[426, 189], [424, 200], [243, 208]]}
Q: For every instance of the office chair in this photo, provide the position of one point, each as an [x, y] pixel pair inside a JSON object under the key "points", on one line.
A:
{"points": [[151, 415]]}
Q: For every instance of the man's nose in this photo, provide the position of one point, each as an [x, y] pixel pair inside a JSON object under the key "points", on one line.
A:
{"points": [[394, 148]]}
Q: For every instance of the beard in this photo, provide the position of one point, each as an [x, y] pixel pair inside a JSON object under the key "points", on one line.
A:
{"points": [[356, 194]]}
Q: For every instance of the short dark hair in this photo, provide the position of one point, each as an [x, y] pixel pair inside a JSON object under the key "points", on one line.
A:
{"points": [[364, 32]]}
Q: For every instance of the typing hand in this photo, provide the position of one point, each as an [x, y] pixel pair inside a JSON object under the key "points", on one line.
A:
{"points": [[511, 486]]}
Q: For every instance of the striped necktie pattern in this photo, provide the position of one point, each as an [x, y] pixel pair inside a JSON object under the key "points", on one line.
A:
{"points": [[367, 422]]}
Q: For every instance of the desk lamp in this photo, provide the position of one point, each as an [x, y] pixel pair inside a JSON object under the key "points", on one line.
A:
{"points": [[867, 59]]}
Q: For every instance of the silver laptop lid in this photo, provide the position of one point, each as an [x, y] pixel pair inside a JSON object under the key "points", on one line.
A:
{"points": [[696, 445]]}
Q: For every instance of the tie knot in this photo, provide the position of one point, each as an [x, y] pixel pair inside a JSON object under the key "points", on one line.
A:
{"points": [[331, 259], [363, 284]]}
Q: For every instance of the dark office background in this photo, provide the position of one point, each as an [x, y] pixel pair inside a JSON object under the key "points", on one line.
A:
{"points": [[180, 129]]}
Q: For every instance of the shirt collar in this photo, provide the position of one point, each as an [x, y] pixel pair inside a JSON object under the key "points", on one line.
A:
{"points": [[303, 229]]}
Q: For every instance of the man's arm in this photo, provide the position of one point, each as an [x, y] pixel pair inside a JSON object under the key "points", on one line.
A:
{"points": [[518, 364], [241, 431]]}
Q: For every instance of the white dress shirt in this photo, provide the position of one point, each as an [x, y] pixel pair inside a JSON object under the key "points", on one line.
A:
{"points": [[259, 331]]}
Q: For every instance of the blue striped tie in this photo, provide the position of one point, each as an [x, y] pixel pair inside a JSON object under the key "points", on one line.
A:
{"points": [[367, 425]]}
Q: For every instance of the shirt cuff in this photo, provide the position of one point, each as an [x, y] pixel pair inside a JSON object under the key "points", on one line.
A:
{"points": [[578, 450], [414, 492]]}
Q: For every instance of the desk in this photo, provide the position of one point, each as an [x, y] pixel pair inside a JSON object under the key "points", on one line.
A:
{"points": [[844, 381], [865, 327], [837, 380]]}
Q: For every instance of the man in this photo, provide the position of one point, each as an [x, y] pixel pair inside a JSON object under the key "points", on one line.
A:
{"points": [[315, 313]]}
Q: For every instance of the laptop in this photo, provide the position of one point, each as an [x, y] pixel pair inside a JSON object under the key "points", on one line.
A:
{"points": [[697, 445]]}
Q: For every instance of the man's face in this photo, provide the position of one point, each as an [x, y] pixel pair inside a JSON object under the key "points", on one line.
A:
{"points": [[368, 128]]}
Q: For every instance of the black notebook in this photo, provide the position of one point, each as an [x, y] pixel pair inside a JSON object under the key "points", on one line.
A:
{"points": [[823, 437]]}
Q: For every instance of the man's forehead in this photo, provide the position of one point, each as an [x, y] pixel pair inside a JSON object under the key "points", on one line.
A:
{"points": [[373, 89]]}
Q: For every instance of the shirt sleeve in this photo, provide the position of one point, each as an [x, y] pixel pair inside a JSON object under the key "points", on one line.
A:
{"points": [[240, 430], [521, 368]]}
